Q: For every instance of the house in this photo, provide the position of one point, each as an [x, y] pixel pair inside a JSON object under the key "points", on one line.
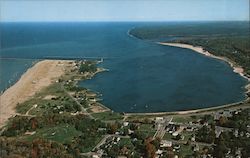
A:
{"points": [[247, 135], [166, 143], [196, 147], [125, 124], [101, 129], [217, 116], [92, 99], [130, 131], [218, 131], [190, 129], [193, 138], [177, 147], [176, 133], [159, 152], [158, 119], [118, 139], [236, 133], [95, 156], [117, 133], [170, 128]]}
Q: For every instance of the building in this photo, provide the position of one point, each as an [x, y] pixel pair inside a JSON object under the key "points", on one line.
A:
{"points": [[166, 144], [125, 124]]}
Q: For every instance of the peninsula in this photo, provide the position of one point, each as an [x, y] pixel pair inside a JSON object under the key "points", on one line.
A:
{"points": [[41, 75]]}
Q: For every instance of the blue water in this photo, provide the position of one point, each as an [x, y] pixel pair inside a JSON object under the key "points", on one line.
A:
{"points": [[11, 70], [143, 76]]}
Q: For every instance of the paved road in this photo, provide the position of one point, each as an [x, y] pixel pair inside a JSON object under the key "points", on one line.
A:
{"points": [[77, 102], [193, 143], [104, 139], [161, 128]]}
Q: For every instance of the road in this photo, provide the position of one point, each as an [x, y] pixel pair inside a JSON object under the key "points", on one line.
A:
{"points": [[161, 129], [77, 102], [104, 139], [193, 143]]}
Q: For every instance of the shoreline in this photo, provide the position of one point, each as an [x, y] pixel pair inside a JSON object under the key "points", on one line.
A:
{"points": [[13, 80], [236, 68], [40, 75], [187, 112], [56, 68]]}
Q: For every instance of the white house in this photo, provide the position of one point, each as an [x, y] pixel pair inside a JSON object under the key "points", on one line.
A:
{"points": [[166, 143]]}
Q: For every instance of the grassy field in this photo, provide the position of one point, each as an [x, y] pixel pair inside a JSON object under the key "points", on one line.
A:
{"points": [[52, 98], [146, 127], [126, 142], [107, 116], [63, 133], [185, 151]]}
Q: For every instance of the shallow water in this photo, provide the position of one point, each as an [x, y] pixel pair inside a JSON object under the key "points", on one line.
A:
{"points": [[143, 76]]}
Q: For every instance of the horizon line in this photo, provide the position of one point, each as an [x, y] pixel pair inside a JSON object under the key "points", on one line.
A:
{"points": [[128, 21]]}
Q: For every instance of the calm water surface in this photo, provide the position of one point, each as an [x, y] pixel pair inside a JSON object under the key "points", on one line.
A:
{"points": [[143, 76]]}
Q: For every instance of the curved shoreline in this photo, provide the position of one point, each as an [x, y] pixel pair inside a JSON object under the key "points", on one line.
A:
{"points": [[185, 112], [236, 68]]}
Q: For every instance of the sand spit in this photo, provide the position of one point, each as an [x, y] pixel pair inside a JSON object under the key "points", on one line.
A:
{"points": [[41, 75]]}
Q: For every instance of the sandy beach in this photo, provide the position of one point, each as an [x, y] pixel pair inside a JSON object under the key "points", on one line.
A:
{"points": [[236, 68], [41, 75]]}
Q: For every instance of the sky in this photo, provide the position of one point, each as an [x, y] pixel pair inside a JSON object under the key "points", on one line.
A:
{"points": [[123, 10]]}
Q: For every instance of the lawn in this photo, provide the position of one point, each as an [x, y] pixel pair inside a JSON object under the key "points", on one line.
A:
{"points": [[185, 151], [168, 136], [146, 127], [62, 133], [187, 135], [54, 89], [108, 116], [52, 98], [185, 119], [126, 142]]}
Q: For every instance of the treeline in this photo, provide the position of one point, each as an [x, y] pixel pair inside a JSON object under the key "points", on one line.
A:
{"points": [[229, 39], [190, 29], [12, 147], [87, 66], [18, 125], [235, 48]]}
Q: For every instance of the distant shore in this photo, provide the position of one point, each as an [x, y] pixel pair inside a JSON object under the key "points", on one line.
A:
{"points": [[41, 75], [236, 68]]}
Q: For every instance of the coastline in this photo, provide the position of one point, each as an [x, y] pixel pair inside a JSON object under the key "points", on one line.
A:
{"points": [[37, 77], [236, 68], [45, 72], [192, 112]]}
